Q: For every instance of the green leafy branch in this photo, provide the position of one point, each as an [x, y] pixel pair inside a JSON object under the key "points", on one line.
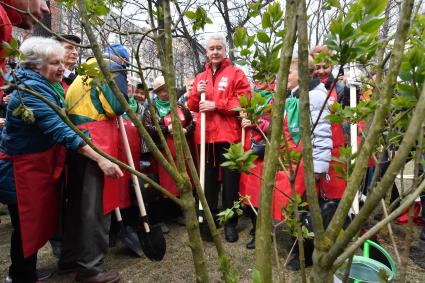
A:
{"points": [[288, 213], [200, 18], [239, 160], [261, 50], [253, 107]]}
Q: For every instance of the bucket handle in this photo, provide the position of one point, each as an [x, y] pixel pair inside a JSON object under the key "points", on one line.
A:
{"points": [[366, 253]]}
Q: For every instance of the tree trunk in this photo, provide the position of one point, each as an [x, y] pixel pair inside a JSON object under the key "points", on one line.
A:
{"points": [[263, 263]]}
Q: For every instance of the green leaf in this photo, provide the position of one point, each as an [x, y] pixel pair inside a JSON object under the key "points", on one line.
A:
{"points": [[335, 118], [190, 15], [241, 62], [374, 7], [406, 89], [251, 40], [200, 18], [275, 11], [263, 37], [240, 36], [266, 21], [245, 52], [336, 26], [334, 3], [372, 25], [101, 10]]}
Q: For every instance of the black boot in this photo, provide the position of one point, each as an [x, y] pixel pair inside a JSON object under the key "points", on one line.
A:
{"points": [[205, 232], [253, 217], [251, 244], [294, 264], [230, 233]]}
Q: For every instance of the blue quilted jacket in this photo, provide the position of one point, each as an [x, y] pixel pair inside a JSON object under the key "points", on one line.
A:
{"points": [[20, 138]]}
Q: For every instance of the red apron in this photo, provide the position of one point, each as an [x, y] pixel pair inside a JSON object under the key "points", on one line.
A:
{"points": [[282, 184], [250, 185], [105, 134], [165, 180], [124, 182], [37, 194], [335, 187]]}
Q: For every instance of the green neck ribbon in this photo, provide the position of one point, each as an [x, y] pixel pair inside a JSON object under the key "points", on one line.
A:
{"points": [[57, 87], [292, 108], [163, 107], [265, 93], [133, 105]]}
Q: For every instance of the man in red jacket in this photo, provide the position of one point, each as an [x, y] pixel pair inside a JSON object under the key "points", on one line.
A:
{"points": [[10, 16], [223, 85]]}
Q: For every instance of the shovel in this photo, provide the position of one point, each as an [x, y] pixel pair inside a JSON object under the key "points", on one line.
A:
{"points": [[203, 226], [202, 159], [128, 236], [150, 236]]}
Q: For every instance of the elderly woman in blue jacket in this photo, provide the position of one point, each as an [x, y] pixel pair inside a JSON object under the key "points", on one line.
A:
{"points": [[32, 154]]}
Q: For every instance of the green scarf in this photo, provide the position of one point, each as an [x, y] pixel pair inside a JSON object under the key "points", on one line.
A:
{"points": [[57, 87], [292, 108], [265, 93], [163, 107], [133, 105]]}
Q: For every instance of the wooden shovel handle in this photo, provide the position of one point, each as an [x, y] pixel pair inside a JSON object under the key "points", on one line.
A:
{"points": [[134, 178], [202, 156]]}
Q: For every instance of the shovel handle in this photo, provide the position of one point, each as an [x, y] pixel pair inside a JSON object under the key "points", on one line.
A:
{"points": [[134, 178], [202, 156], [353, 141], [243, 137], [118, 214]]}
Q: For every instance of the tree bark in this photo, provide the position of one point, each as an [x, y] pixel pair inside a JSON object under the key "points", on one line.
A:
{"points": [[185, 187], [307, 148], [263, 263]]}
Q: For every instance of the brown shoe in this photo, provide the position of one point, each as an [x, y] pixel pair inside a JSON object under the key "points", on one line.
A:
{"points": [[103, 277]]}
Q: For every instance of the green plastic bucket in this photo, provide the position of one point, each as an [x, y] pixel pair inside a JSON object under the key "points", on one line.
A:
{"points": [[367, 270]]}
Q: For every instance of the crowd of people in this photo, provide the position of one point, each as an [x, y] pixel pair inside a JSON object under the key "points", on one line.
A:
{"points": [[69, 199]]}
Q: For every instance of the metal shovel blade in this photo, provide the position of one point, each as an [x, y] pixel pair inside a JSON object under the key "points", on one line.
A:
{"points": [[129, 237], [153, 243]]}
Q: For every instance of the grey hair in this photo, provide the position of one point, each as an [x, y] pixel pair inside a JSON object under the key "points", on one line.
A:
{"points": [[218, 37], [37, 50]]}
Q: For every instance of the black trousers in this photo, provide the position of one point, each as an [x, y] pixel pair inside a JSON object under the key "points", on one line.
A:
{"points": [[22, 270], [86, 229], [229, 179]]}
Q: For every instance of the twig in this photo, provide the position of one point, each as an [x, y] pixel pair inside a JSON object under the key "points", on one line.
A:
{"points": [[390, 232], [281, 271], [290, 252]]}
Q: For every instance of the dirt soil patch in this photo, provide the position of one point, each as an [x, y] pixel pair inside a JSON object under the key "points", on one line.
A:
{"points": [[177, 264]]}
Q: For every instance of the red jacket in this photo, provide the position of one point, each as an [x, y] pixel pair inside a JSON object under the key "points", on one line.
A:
{"points": [[224, 88], [8, 17]]}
